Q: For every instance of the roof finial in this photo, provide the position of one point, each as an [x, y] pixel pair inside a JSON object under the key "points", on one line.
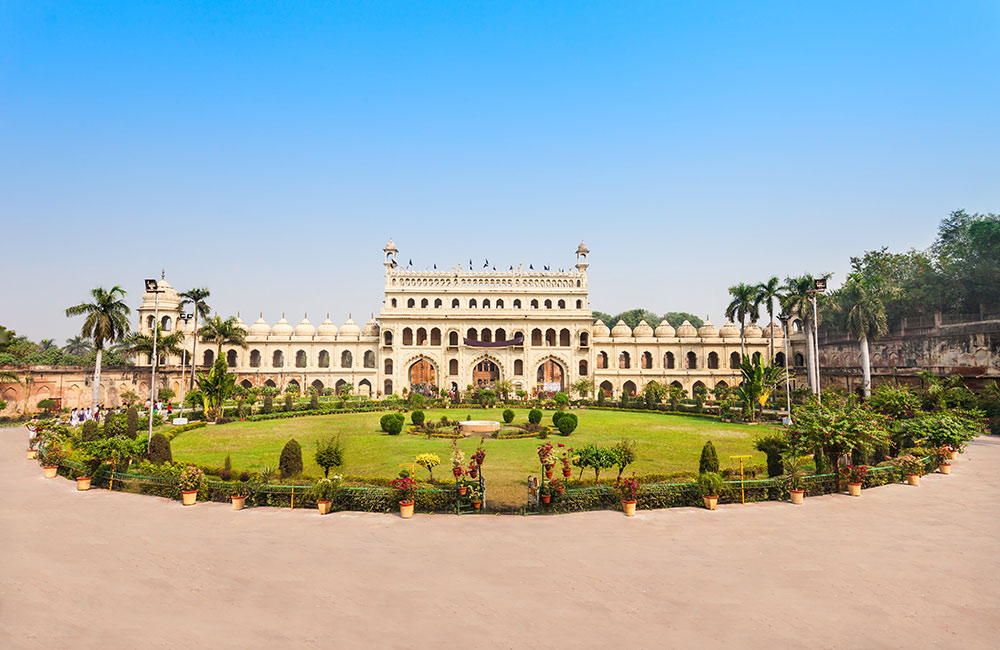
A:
{"points": [[163, 274]]}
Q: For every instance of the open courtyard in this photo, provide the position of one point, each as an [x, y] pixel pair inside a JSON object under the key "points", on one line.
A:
{"points": [[901, 566]]}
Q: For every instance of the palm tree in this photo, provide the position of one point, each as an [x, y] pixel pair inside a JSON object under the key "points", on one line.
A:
{"points": [[106, 322], [766, 294], [196, 298], [797, 301], [223, 332], [863, 311], [77, 346], [46, 344], [137, 344], [740, 307]]}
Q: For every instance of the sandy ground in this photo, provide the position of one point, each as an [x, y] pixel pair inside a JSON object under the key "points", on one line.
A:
{"points": [[898, 567]]}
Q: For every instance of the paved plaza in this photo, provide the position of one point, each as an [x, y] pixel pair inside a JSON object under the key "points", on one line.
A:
{"points": [[899, 567]]}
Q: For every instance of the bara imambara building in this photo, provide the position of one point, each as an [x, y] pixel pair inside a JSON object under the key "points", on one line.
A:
{"points": [[450, 330]]}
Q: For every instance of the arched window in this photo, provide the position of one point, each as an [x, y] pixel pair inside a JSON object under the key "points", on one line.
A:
{"points": [[583, 368], [584, 339], [500, 334], [453, 367], [668, 360], [369, 359], [779, 359], [388, 366], [278, 359], [387, 387], [500, 304], [317, 385], [472, 334], [208, 358], [518, 367], [231, 358], [346, 359], [453, 338], [486, 304], [550, 337], [393, 302], [424, 303], [407, 336], [799, 361], [548, 304], [692, 361], [435, 336], [301, 359], [411, 303], [165, 323], [534, 304], [564, 338], [438, 303], [756, 357], [246, 383], [421, 336], [562, 304], [628, 388], [255, 358], [607, 388], [454, 303], [473, 304], [486, 336], [387, 337], [149, 322], [579, 304], [646, 361], [270, 383], [536, 336], [602, 360], [734, 360], [517, 304], [624, 361], [713, 361]]}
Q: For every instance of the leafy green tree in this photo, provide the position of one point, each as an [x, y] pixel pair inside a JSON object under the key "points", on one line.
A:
{"points": [[77, 346], [106, 322], [759, 382], [700, 395], [625, 451], [223, 332], [166, 344], [709, 461], [90, 431], [508, 416], [775, 446], [159, 449], [534, 416], [216, 386], [329, 454]]}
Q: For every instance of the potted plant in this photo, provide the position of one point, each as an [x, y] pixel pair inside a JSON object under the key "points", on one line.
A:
{"points": [[462, 489], [710, 485], [323, 491], [457, 459], [546, 493], [405, 487], [51, 457], [82, 483], [480, 455], [238, 495], [953, 455], [628, 488], [473, 470], [547, 457], [565, 460], [190, 480], [855, 477], [795, 472], [558, 485], [32, 452], [944, 459], [912, 467], [476, 496]]}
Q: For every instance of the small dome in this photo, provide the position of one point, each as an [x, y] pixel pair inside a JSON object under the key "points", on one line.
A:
{"points": [[600, 329], [687, 330], [708, 331], [665, 330], [729, 331], [282, 328], [621, 330], [778, 332], [350, 329], [642, 330], [305, 328], [751, 331], [240, 324], [327, 328], [260, 327], [371, 328], [582, 248]]}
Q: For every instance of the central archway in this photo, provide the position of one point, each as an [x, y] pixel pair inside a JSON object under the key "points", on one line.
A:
{"points": [[550, 377], [485, 373], [423, 377]]}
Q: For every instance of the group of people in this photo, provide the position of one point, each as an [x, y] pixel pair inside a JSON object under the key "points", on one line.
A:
{"points": [[98, 413]]}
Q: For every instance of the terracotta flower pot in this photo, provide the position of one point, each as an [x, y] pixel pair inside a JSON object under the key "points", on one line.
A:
{"points": [[560, 489], [473, 473], [457, 471], [189, 497], [462, 490], [31, 454], [476, 504], [50, 472], [548, 473], [238, 502], [944, 468], [82, 483], [797, 496], [710, 502], [546, 498], [854, 489], [406, 509], [629, 508], [913, 479], [324, 506], [953, 456], [567, 472]]}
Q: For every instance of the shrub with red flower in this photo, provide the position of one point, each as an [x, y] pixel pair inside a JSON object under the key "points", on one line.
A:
{"points": [[405, 487], [628, 487], [856, 473], [547, 455], [480, 455]]}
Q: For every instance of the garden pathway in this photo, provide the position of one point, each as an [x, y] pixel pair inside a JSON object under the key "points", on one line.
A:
{"points": [[899, 566]]}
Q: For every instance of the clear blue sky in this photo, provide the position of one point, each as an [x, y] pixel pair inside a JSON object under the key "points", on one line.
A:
{"points": [[268, 150]]}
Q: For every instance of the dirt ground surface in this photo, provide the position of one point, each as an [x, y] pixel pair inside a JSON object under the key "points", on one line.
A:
{"points": [[898, 567]]}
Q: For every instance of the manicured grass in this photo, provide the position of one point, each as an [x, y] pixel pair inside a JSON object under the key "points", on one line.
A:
{"points": [[666, 443]]}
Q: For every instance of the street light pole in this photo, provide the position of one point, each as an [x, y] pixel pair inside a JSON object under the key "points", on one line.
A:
{"points": [[185, 318], [788, 390], [819, 286], [151, 287]]}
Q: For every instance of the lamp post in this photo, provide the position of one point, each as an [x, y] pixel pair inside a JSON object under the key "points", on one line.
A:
{"points": [[819, 286], [185, 318], [153, 288], [788, 391]]}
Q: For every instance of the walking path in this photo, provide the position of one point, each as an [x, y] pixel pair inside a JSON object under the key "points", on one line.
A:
{"points": [[899, 566]]}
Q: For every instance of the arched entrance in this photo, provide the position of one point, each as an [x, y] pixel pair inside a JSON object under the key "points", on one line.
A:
{"points": [[485, 373], [423, 378], [550, 377]]}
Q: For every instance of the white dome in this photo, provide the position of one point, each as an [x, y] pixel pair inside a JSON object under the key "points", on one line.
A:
{"points": [[260, 327], [708, 331], [305, 328], [600, 329], [240, 324], [751, 331], [642, 330], [621, 330], [350, 329], [665, 330], [729, 331], [371, 328], [778, 332], [327, 328], [282, 328], [687, 330]]}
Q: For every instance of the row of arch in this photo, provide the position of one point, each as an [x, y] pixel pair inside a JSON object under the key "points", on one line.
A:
{"points": [[301, 359], [166, 323], [364, 386], [488, 281], [473, 303], [423, 336], [630, 387], [690, 360]]}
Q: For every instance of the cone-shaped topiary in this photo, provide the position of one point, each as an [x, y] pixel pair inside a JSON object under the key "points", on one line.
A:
{"points": [[314, 402], [290, 462], [132, 422], [289, 403], [159, 449], [268, 405], [90, 431], [709, 459]]}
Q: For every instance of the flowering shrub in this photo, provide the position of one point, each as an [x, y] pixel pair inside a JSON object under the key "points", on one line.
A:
{"points": [[480, 455], [547, 455], [628, 487], [838, 426], [910, 464], [856, 473], [191, 478], [943, 454], [405, 488], [457, 456]]}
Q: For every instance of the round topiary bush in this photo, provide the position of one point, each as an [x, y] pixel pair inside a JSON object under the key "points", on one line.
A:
{"points": [[395, 424], [534, 416], [290, 462], [159, 449], [417, 417], [384, 421], [556, 416], [567, 424], [508, 416]]}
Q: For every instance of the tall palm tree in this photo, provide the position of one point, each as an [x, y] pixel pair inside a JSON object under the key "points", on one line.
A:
{"points": [[860, 304], [766, 294], [196, 298], [223, 332], [797, 301], [46, 344], [136, 344], [77, 346], [740, 307], [106, 322]]}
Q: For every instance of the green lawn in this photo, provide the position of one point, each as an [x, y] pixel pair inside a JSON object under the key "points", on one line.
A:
{"points": [[666, 443]]}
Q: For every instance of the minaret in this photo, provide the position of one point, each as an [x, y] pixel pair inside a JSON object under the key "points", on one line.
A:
{"points": [[390, 256], [581, 258]]}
